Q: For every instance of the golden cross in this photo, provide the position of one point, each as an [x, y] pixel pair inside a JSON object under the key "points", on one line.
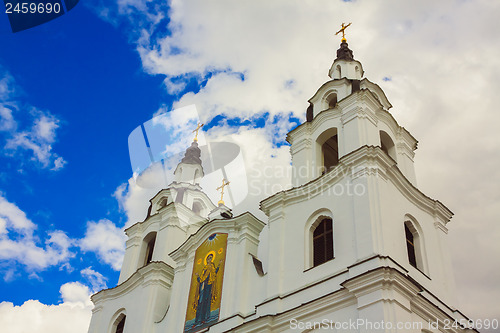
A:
{"points": [[224, 184], [200, 125], [342, 30]]}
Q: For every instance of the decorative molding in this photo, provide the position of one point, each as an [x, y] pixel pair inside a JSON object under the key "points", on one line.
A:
{"points": [[157, 271], [247, 224], [365, 157]]}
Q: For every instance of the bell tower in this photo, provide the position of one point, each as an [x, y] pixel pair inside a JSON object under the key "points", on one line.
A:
{"points": [[355, 220], [346, 113]]}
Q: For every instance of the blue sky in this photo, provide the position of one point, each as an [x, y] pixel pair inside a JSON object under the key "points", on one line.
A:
{"points": [[73, 89], [82, 72]]}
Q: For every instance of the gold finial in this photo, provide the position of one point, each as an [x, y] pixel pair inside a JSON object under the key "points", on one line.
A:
{"points": [[200, 125], [224, 184], [342, 30]]}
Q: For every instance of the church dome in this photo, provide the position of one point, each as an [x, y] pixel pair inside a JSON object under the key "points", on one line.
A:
{"points": [[192, 155]]}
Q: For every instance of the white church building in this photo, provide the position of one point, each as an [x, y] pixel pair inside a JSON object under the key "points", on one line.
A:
{"points": [[354, 246]]}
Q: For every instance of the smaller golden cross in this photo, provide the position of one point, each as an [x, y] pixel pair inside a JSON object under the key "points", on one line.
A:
{"points": [[224, 184], [342, 30], [200, 125]]}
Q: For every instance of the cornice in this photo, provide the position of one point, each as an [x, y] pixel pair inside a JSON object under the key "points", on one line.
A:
{"points": [[381, 278], [384, 101], [326, 87], [372, 157], [173, 209], [159, 193], [246, 221], [157, 272]]}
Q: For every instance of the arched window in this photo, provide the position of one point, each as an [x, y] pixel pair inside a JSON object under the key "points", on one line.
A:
{"points": [[121, 325], [339, 72], [162, 203], [329, 145], [197, 207], [323, 242], [387, 145], [148, 248], [118, 324], [196, 176], [410, 246], [414, 245], [331, 100], [330, 150]]}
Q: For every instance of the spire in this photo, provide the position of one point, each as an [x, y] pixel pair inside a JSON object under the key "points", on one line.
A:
{"points": [[344, 65], [344, 53], [189, 170]]}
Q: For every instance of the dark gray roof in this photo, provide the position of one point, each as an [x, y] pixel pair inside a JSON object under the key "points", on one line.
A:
{"points": [[192, 155], [344, 53]]}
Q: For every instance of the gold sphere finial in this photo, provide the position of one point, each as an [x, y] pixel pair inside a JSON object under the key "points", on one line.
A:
{"points": [[342, 30]]}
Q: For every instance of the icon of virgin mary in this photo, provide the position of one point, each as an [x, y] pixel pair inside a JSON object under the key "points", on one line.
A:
{"points": [[206, 293]]}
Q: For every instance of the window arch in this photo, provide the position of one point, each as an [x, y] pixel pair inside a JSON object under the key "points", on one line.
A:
{"points": [[197, 207], [319, 239], [387, 145], [118, 323], [323, 242], [162, 203], [414, 244], [328, 150], [331, 100], [148, 245], [410, 246], [196, 176], [121, 324]]}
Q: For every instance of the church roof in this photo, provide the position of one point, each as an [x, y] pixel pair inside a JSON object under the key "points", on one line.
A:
{"points": [[344, 53], [192, 155]]}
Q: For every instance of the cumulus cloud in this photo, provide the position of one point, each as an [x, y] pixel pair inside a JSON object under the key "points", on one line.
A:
{"points": [[19, 244], [72, 315], [106, 240], [33, 316], [33, 141], [96, 279]]}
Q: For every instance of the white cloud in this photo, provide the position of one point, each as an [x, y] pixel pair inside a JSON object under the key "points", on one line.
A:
{"points": [[73, 315], [38, 140], [6, 85], [45, 126], [19, 245], [59, 163], [106, 240], [96, 279], [7, 121], [34, 140], [34, 316], [75, 293], [15, 217]]}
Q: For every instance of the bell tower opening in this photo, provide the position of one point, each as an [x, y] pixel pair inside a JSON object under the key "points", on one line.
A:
{"points": [[328, 146], [387, 145], [330, 150], [331, 100], [148, 248]]}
